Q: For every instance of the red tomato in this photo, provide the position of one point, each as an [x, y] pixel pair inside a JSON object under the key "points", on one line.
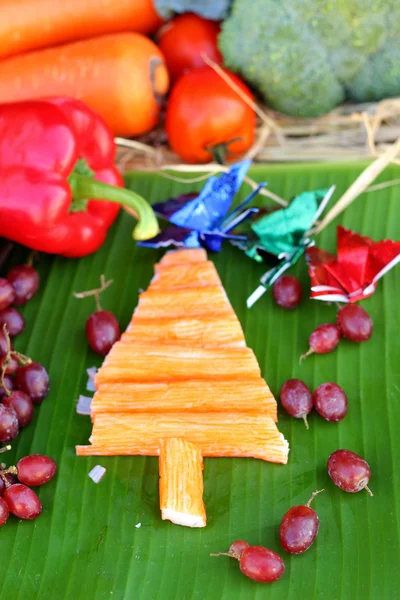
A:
{"points": [[204, 113], [184, 40]]}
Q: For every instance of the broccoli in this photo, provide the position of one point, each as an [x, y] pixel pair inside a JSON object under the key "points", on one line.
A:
{"points": [[307, 56]]}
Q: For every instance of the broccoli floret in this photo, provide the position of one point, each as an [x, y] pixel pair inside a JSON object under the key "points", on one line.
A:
{"points": [[380, 77], [301, 54]]}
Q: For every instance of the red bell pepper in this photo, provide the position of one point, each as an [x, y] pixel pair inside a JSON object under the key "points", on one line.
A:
{"points": [[56, 157]]}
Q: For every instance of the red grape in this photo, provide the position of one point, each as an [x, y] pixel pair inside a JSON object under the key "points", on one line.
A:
{"points": [[299, 527], [25, 281], [102, 331], [261, 564], [36, 469], [354, 323], [8, 424], [4, 511], [9, 381], [2, 486], [237, 548], [11, 364], [33, 380], [23, 406], [287, 291], [7, 293], [323, 339], [349, 471], [22, 501], [296, 399], [330, 402], [13, 319]]}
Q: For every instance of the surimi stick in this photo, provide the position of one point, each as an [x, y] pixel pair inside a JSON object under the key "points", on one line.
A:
{"points": [[217, 434], [194, 396], [221, 330], [180, 276], [186, 255], [181, 483], [191, 302], [162, 362]]}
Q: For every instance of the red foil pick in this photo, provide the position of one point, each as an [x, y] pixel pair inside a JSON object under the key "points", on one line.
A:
{"points": [[354, 273]]}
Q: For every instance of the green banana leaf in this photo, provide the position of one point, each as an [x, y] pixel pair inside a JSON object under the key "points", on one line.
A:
{"points": [[88, 545]]}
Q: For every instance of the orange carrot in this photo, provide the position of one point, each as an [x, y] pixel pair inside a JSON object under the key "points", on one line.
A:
{"points": [[30, 24], [181, 483], [120, 76], [216, 433]]}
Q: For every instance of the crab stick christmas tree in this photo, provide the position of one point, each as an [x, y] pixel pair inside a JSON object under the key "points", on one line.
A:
{"points": [[181, 384]]}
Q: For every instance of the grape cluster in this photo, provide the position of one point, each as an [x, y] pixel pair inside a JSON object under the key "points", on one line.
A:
{"points": [[256, 562], [300, 524], [16, 495], [352, 322], [329, 400], [23, 383]]}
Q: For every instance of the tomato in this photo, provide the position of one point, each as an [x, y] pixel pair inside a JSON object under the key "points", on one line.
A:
{"points": [[205, 114], [184, 39]]}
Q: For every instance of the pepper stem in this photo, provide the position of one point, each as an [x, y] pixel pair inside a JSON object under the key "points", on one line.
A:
{"points": [[84, 187]]}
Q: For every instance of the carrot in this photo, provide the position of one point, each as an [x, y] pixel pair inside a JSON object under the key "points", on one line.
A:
{"points": [[30, 24], [120, 76], [181, 483], [216, 433], [195, 396]]}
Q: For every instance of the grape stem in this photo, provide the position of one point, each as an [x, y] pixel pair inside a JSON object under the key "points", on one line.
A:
{"points": [[368, 490], [11, 470], [313, 496], [230, 554], [5, 449], [96, 292], [303, 356], [304, 417], [21, 358], [32, 256]]}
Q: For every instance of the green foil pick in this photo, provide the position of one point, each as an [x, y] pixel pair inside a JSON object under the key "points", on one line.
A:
{"points": [[283, 234], [284, 229]]}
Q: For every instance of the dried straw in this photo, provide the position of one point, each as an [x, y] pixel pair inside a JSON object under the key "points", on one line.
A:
{"points": [[360, 184], [350, 132]]}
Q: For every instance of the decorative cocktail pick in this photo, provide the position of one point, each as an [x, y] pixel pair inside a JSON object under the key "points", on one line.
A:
{"points": [[353, 274], [283, 235], [204, 219]]}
